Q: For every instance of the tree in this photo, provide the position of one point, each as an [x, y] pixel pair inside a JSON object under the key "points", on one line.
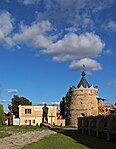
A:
{"points": [[16, 101], [63, 107], [2, 115], [64, 104]]}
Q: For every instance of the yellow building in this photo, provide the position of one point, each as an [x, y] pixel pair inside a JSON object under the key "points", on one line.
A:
{"points": [[32, 115]]}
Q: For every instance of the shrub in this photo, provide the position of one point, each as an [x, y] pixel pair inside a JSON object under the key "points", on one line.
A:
{"points": [[2, 115]]}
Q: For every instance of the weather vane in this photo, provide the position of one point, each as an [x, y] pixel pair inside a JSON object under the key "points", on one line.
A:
{"points": [[83, 67]]}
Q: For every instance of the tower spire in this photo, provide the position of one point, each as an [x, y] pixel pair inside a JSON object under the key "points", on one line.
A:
{"points": [[83, 67], [83, 72], [83, 82]]}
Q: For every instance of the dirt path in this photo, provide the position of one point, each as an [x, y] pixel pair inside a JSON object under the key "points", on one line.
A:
{"points": [[19, 140]]}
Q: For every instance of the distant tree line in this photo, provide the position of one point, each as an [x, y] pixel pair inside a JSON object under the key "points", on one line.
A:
{"points": [[15, 102]]}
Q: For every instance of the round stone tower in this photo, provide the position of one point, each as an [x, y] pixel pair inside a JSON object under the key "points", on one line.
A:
{"points": [[83, 101]]}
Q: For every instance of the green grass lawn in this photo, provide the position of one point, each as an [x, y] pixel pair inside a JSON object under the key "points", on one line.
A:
{"points": [[9, 130], [71, 139], [65, 139], [4, 134], [58, 141]]}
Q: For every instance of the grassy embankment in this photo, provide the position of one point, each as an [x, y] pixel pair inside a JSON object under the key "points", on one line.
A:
{"points": [[9, 130], [66, 139], [71, 139]]}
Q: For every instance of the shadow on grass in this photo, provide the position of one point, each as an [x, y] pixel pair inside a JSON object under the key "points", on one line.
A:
{"points": [[89, 141]]}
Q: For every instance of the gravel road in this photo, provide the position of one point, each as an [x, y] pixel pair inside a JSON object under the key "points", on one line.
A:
{"points": [[19, 140]]}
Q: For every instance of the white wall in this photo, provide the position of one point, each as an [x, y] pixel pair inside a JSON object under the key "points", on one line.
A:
{"points": [[15, 120]]}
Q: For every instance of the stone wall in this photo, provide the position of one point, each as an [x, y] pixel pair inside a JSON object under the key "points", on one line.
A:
{"points": [[82, 103], [60, 122], [101, 126]]}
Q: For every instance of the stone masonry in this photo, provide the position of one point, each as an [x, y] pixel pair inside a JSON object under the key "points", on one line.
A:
{"points": [[83, 101]]}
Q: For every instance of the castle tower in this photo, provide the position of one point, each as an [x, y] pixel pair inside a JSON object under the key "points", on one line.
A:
{"points": [[83, 101]]}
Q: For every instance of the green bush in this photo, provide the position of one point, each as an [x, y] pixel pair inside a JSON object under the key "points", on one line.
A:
{"points": [[2, 115]]}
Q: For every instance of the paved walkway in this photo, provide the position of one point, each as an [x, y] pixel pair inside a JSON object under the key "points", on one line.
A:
{"points": [[19, 140]]}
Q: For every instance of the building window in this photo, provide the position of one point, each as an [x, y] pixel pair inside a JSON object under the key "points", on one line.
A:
{"points": [[33, 121], [27, 111], [25, 121]]}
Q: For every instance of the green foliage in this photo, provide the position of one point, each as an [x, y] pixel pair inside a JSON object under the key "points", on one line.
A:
{"points": [[64, 104], [63, 108], [16, 101], [2, 115]]}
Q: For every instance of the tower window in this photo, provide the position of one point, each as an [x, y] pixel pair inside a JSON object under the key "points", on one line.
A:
{"points": [[82, 114]]}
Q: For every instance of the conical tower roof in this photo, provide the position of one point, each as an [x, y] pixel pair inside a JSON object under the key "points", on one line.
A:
{"points": [[83, 82]]}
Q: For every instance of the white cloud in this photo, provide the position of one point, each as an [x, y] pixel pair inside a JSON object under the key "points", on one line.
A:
{"points": [[9, 43], [6, 101], [86, 21], [108, 52], [7, 1], [34, 35], [28, 2], [111, 25], [6, 25], [74, 46], [13, 91], [112, 83], [90, 64], [71, 11], [49, 103], [73, 28], [98, 6]]}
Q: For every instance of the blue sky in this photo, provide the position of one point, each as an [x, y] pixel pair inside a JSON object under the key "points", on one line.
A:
{"points": [[44, 44]]}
